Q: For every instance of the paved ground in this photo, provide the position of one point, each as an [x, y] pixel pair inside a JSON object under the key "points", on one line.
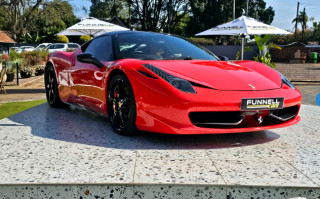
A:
{"points": [[28, 89], [43, 146], [33, 89], [45, 153], [309, 93]]}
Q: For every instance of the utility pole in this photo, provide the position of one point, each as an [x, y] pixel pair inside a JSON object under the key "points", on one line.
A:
{"points": [[129, 21], [303, 23], [234, 9], [247, 7], [295, 32], [169, 16]]}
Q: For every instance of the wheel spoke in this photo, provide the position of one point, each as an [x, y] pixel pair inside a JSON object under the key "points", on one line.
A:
{"points": [[113, 117], [121, 118]]}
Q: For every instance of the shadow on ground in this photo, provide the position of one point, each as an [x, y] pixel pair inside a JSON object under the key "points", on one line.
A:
{"points": [[77, 126]]}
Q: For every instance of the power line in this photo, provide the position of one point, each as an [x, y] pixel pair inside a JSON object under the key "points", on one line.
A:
{"points": [[310, 4]]}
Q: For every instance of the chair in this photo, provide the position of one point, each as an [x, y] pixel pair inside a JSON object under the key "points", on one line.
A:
{"points": [[2, 80]]}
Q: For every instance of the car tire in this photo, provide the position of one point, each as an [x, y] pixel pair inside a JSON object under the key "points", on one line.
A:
{"points": [[51, 87], [121, 105]]}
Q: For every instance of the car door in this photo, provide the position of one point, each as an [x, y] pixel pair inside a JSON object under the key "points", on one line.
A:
{"points": [[51, 48], [87, 81]]}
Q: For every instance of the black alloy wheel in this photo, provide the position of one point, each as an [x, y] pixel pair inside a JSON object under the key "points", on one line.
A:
{"points": [[51, 87], [121, 105]]}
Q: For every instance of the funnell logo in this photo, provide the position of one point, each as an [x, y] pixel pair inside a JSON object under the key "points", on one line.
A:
{"points": [[263, 103]]}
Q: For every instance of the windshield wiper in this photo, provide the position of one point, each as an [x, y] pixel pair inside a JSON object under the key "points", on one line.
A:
{"points": [[188, 58]]}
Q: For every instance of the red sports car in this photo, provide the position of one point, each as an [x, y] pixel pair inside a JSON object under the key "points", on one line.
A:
{"points": [[161, 83]]}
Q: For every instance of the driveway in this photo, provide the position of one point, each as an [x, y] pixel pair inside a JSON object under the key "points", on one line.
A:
{"points": [[74, 153]]}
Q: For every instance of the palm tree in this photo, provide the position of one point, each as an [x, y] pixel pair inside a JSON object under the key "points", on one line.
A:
{"points": [[302, 19]]}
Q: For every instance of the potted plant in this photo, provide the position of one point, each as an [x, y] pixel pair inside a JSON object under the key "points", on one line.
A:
{"points": [[26, 71], [28, 65], [4, 58], [39, 70], [11, 71]]}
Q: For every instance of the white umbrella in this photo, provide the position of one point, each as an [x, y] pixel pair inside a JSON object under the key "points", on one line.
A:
{"points": [[244, 26], [91, 26]]}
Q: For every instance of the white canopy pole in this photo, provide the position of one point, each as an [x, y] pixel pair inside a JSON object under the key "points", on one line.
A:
{"points": [[242, 46]]}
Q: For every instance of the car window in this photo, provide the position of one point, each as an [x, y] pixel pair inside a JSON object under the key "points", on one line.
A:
{"points": [[51, 46], [73, 46], [159, 47], [101, 48], [59, 46]]}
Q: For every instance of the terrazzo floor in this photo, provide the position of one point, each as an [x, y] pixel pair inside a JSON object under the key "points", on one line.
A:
{"points": [[75, 154]]}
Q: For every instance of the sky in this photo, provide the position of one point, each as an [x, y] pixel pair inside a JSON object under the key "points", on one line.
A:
{"points": [[285, 11]]}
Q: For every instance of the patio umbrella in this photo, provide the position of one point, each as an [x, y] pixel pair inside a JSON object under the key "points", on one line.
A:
{"points": [[244, 26], [91, 26]]}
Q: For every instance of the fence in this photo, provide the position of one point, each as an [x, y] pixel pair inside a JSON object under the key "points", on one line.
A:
{"points": [[231, 51], [287, 55]]}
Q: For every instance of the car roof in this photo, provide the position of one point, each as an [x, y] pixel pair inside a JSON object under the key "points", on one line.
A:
{"points": [[129, 32]]}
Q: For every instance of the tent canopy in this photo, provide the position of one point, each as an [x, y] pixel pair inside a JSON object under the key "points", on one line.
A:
{"points": [[91, 26], [244, 26]]}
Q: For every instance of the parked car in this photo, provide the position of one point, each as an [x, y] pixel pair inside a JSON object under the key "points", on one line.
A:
{"points": [[61, 47], [42, 46], [26, 48], [15, 49], [161, 83]]}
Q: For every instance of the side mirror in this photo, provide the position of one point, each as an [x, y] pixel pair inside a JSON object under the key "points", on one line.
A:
{"points": [[89, 58], [223, 58]]}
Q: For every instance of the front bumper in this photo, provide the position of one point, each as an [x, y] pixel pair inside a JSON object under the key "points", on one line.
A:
{"points": [[167, 110]]}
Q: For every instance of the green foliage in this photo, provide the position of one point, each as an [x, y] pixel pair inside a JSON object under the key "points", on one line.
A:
{"points": [[40, 54], [55, 17], [203, 41], [207, 14], [264, 56], [106, 9], [11, 108], [62, 39], [302, 19], [85, 38], [245, 49], [35, 21], [14, 56], [309, 35], [32, 39], [4, 57]]}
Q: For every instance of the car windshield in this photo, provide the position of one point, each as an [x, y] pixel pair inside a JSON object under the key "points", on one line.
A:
{"points": [[159, 47]]}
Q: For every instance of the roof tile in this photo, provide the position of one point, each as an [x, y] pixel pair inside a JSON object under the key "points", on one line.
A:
{"points": [[4, 38]]}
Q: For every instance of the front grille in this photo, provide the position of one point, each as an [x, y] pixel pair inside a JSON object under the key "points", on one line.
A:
{"points": [[242, 119]]}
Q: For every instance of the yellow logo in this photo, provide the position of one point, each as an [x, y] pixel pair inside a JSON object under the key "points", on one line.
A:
{"points": [[252, 86]]}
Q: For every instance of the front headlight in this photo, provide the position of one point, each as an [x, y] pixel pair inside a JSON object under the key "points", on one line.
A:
{"points": [[176, 82], [286, 81]]}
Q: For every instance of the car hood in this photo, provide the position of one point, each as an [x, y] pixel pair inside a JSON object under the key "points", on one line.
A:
{"points": [[220, 75]]}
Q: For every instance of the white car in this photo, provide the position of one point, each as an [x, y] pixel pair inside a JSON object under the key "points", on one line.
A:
{"points": [[42, 46], [25, 48], [61, 47]]}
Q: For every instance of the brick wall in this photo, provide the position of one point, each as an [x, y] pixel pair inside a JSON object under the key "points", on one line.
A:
{"points": [[300, 72]]}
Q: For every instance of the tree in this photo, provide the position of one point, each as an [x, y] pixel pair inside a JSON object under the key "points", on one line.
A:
{"points": [[207, 14], [54, 17], [33, 21], [302, 19], [85, 38], [19, 14], [106, 9], [62, 39], [145, 15]]}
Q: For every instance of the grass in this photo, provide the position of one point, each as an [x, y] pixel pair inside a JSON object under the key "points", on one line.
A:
{"points": [[11, 108]]}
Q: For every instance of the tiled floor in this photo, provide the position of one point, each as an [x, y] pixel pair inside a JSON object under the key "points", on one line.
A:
{"points": [[309, 93], [43, 145]]}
